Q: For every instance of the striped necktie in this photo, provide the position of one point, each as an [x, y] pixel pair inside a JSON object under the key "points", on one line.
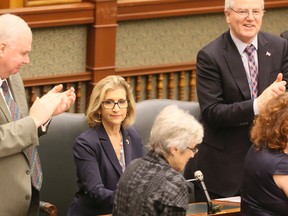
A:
{"points": [[31, 152], [253, 72]]}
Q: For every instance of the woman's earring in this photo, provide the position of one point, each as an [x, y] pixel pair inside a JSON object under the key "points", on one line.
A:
{"points": [[99, 117]]}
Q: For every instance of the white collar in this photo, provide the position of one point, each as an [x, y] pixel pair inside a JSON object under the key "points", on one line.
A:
{"points": [[241, 45]]}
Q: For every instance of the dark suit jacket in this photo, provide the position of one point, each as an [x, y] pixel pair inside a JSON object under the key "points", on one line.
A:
{"points": [[99, 170], [15, 181], [227, 108], [284, 35]]}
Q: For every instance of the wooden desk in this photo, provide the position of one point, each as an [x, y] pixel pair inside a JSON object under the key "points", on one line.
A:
{"points": [[200, 209]]}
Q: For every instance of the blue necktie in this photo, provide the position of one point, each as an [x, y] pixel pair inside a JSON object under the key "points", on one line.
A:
{"points": [[31, 152], [252, 70]]}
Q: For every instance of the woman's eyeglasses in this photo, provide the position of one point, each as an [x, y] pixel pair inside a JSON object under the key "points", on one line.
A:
{"points": [[194, 150], [110, 104]]}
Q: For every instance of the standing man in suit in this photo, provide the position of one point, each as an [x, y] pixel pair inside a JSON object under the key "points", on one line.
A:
{"points": [[21, 174], [232, 88]]}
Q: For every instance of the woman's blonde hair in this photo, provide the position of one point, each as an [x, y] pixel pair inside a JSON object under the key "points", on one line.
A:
{"points": [[99, 91]]}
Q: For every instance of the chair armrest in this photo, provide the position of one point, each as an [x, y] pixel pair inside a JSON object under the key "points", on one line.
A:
{"points": [[48, 208]]}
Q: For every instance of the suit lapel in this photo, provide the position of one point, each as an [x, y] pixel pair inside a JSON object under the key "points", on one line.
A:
{"points": [[16, 87], [127, 147], [264, 62], [3, 104], [4, 110], [108, 148], [235, 64]]}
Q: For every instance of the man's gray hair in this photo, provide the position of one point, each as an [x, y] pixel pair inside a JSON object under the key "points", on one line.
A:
{"points": [[231, 3], [12, 27]]}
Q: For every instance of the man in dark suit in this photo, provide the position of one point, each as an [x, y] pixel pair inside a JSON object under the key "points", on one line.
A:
{"points": [[20, 180], [232, 88]]}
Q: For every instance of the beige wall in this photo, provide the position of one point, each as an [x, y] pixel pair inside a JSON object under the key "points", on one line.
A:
{"points": [[57, 50], [174, 40], [61, 50]]}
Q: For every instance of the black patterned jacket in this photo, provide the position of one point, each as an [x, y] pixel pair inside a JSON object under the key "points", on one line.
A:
{"points": [[150, 186]]}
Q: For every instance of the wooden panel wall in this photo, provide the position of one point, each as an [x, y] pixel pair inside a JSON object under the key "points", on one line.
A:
{"points": [[27, 3], [175, 81]]}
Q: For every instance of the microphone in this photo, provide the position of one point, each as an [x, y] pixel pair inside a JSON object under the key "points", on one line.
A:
{"points": [[191, 180], [199, 176]]}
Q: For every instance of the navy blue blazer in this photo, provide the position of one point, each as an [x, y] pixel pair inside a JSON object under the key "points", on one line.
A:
{"points": [[99, 170], [227, 108]]}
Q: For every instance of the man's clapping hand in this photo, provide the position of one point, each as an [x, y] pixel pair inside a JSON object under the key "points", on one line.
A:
{"points": [[278, 87], [51, 104]]}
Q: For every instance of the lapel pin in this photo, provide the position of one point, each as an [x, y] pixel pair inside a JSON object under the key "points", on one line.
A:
{"points": [[127, 141], [268, 53]]}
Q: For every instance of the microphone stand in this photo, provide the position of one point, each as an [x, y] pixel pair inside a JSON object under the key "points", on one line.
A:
{"points": [[210, 210], [208, 200]]}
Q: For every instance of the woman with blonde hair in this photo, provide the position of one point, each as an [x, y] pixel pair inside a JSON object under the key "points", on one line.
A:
{"points": [[103, 151]]}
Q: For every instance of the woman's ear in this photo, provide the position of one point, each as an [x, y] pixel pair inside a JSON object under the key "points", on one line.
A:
{"points": [[173, 150]]}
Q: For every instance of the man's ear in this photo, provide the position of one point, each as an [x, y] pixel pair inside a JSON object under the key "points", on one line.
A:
{"points": [[227, 16], [2, 48]]}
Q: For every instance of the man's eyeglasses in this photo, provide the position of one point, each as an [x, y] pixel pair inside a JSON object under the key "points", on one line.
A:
{"points": [[194, 150], [110, 104], [246, 12]]}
